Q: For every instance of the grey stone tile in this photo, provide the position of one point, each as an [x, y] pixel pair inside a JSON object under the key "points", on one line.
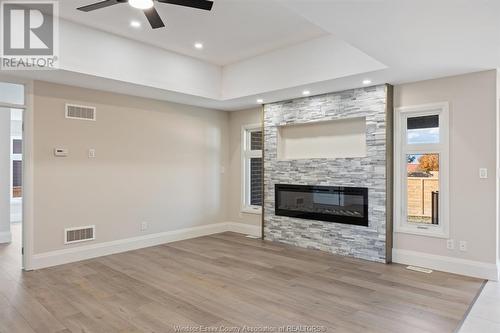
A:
{"points": [[370, 171]]}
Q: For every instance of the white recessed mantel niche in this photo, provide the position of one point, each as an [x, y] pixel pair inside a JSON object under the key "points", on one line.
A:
{"points": [[342, 138]]}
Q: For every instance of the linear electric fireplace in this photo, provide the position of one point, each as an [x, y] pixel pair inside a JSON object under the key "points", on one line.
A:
{"points": [[347, 205]]}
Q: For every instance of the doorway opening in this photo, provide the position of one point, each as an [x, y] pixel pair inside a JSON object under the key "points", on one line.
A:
{"points": [[12, 105]]}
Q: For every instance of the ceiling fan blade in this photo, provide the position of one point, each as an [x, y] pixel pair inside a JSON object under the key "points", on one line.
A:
{"points": [[99, 5], [154, 18], [200, 4]]}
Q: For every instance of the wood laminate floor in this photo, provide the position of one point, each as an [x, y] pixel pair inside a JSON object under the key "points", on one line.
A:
{"points": [[228, 280]]}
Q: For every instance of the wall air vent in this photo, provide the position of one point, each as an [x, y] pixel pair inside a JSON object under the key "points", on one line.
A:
{"points": [[80, 112], [79, 234]]}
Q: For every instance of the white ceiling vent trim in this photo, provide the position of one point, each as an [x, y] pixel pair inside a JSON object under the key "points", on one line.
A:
{"points": [[80, 112], [79, 234]]}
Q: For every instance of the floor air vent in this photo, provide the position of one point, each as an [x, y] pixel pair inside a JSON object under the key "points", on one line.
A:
{"points": [[79, 234], [80, 112], [419, 269]]}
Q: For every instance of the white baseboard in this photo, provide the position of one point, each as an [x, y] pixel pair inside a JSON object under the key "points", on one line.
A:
{"points": [[5, 237], [64, 256], [247, 229], [447, 264]]}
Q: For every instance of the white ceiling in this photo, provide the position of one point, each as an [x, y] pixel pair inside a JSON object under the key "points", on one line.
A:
{"points": [[234, 30], [415, 38], [274, 49]]}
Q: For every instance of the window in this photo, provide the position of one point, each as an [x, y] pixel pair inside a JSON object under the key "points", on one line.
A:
{"points": [[17, 146], [17, 173], [252, 169], [421, 170], [422, 129]]}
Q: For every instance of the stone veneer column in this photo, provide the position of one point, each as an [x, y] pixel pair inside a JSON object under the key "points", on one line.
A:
{"points": [[373, 171]]}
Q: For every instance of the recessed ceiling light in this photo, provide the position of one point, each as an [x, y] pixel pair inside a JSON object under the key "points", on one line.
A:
{"points": [[260, 101], [198, 45], [135, 24], [141, 4], [367, 81], [306, 92]]}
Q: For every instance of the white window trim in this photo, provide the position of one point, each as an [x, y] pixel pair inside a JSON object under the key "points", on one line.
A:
{"points": [[246, 154], [402, 149]]}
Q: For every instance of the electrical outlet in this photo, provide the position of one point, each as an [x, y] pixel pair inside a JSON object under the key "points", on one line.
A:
{"points": [[91, 153], [450, 244], [144, 226], [463, 246]]}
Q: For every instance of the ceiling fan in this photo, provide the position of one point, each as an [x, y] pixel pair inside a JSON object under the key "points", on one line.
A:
{"points": [[148, 7]]}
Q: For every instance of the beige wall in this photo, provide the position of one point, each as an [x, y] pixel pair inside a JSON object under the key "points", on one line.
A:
{"points": [[157, 162], [472, 100], [236, 121], [473, 103], [161, 163]]}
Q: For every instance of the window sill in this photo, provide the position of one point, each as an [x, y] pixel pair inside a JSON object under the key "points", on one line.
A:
{"points": [[252, 210], [430, 231]]}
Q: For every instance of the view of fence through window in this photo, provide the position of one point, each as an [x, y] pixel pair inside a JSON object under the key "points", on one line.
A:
{"points": [[423, 188]]}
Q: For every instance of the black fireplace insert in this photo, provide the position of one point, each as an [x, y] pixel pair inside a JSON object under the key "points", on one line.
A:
{"points": [[347, 205]]}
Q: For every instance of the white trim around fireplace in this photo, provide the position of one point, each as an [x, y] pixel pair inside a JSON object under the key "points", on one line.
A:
{"points": [[401, 223]]}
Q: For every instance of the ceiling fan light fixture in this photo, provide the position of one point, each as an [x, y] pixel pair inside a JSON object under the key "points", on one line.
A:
{"points": [[148, 8], [141, 4]]}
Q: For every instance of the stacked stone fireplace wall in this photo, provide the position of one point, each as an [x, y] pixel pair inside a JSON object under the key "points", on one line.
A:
{"points": [[373, 172]]}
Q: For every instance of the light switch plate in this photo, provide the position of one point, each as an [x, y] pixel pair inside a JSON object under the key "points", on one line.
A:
{"points": [[483, 173], [91, 153]]}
